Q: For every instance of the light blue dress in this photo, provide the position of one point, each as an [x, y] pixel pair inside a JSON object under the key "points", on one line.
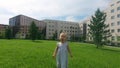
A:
{"points": [[62, 55]]}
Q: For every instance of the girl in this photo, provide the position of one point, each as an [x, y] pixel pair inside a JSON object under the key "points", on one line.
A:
{"points": [[61, 51]]}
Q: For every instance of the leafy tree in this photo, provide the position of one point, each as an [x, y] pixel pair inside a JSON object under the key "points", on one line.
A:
{"points": [[2, 35], [8, 33]]}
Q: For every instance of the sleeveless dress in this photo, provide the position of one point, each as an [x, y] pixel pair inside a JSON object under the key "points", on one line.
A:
{"points": [[62, 55]]}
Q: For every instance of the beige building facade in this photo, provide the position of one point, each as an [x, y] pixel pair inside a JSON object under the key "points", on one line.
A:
{"points": [[71, 28], [85, 29], [113, 19]]}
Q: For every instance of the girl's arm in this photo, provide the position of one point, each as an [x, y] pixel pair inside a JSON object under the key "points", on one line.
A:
{"points": [[55, 52], [69, 51]]}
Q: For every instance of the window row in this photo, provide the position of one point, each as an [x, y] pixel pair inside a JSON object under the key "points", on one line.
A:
{"points": [[118, 30], [117, 37], [113, 24], [113, 17], [113, 10], [65, 27], [114, 4]]}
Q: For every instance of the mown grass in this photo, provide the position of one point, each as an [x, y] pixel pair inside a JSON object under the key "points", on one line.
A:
{"points": [[38, 54]]}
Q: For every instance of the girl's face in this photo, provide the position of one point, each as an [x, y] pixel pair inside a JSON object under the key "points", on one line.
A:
{"points": [[63, 37]]}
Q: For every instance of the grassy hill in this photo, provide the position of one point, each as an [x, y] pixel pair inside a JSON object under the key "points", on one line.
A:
{"points": [[38, 54]]}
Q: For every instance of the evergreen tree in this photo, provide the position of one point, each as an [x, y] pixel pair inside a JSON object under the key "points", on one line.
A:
{"points": [[33, 31], [39, 35], [98, 29], [43, 34]]}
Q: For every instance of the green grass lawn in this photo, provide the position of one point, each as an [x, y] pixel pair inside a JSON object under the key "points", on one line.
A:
{"points": [[28, 54]]}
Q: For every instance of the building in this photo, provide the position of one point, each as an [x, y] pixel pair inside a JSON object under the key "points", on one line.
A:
{"points": [[113, 19], [2, 30], [21, 23], [71, 28], [85, 29]]}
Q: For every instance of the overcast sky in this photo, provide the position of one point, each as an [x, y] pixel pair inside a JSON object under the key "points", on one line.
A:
{"points": [[67, 10]]}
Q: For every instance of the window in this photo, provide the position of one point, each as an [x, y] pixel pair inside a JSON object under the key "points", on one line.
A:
{"points": [[118, 38], [112, 17], [118, 23], [112, 11], [118, 30], [52, 25], [112, 30], [112, 5], [113, 38], [118, 2], [118, 8], [118, 15], [112, 24]]}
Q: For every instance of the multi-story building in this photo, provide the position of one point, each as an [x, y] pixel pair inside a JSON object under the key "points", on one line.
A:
{"points": [[71, 28], [113, 19], [21, 24], [2, 30], [85, 29]]}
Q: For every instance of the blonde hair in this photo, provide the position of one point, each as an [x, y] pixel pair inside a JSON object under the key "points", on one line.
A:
{"points": [[63, 33]]}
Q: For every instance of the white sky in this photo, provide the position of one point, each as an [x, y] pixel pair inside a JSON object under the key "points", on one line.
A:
{"points": [[69, 10]]}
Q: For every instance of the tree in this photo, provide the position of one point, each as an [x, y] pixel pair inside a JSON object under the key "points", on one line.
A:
{"points": [[27, 36], [43, 33], [98, 29], [8, 33], [75, 38], [33, 31], [2, 35], [39, 35], [54, 36]]}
